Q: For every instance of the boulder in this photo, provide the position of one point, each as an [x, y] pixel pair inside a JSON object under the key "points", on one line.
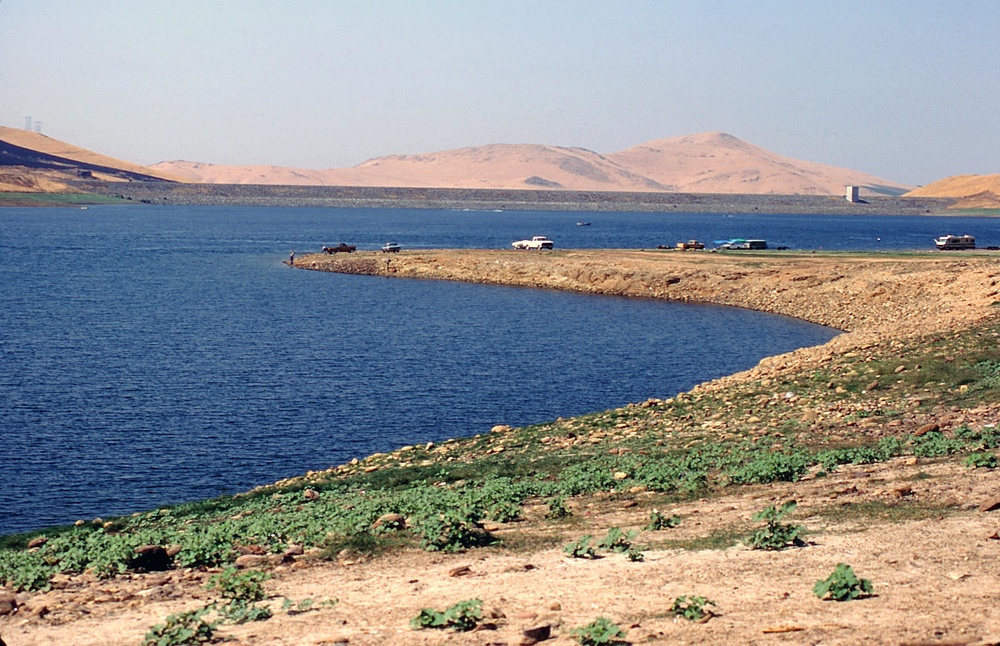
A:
{"points": [[250, 561], [8, 603]]}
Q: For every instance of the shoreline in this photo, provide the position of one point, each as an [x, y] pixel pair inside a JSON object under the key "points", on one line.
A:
{"points": [[870, 297], [508, 199]]}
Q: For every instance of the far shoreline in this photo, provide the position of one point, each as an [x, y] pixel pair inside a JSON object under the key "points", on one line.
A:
{"points": [[164, 193]]}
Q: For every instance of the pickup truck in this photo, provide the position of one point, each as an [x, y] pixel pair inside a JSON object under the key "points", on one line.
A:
{"points": [[346, 248], [538, 242]]}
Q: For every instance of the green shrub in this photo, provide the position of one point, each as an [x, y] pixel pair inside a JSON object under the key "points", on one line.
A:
{"points": [[182, 629], [986, 460], [581, 549], [617, 541], [240, 586], [659, 520], [461, 617], [557, 508], [692, 608], [599, 632], [775, 535], [453, 531], [843, 585]]}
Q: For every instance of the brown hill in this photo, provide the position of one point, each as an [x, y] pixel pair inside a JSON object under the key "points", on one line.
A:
{"points": [[32, 162], [706, 163], [716, 162], [959, 186]]}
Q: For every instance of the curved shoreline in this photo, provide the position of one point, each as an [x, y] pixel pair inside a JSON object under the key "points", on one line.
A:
{"points": [[870, 296]]}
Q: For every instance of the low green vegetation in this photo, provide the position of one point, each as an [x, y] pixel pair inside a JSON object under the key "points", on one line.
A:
{"points": [[462, 616], [693, 608], [775, 535], [599, 632], [843, 585]]}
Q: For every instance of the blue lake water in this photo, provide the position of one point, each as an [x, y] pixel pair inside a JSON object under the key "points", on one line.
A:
{"points": [[154, 355]]}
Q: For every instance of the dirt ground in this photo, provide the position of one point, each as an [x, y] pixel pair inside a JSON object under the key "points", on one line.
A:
{"points": [[936, 576]]}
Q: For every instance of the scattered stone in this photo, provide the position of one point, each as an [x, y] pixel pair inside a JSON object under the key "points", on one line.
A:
{"points": [[555, 606], [8, 603], [899, 369], [249, 561], [37, 541], [462, 570], [902, 492], [536, 634], [872, 386], [990, 505], [500, 428], [310, 494], [294, 550], [927, 428], [620, 475]]}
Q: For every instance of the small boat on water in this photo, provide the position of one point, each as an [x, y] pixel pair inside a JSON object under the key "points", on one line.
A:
{"points": [[583, 224], [955, 243]]}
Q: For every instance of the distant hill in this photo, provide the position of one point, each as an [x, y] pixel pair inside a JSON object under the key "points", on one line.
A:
{"points": [[712, 162], [32, 162], [977, 191]]}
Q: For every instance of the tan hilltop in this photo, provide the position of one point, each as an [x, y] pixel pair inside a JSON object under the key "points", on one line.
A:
{"points": [[33, 162], [712, 162], [974, 191]]}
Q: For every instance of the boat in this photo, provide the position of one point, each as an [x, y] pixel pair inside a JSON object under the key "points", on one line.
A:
{"points": [[955, 243], [583, 224]]}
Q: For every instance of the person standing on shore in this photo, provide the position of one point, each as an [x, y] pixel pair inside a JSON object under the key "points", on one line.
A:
{"points": [[291, 258]]}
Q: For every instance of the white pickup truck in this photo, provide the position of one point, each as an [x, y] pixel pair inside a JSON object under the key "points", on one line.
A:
{"points": [[538, 242]]}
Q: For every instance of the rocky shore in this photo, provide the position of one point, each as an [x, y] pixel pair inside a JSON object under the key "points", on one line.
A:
{"points": [[511, 200]]}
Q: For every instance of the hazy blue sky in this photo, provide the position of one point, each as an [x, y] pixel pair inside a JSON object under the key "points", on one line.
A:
{"points": [[908, 90]]}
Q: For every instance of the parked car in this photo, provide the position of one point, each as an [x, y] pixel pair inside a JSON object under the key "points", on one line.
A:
{"points": [[391, 247], [538, 242], [341, 248]]}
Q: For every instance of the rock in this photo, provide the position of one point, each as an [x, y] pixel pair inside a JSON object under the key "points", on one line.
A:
{"points": [[555, 606], [500, 428], [620, 475], [872, 386], [150, 558], [903, 492], [899, 369], [8, 603], [927, 428], [310, 494], [537, 633], [250, 561], [294, 550], [462, 570], [990, 505], [37, 541]]}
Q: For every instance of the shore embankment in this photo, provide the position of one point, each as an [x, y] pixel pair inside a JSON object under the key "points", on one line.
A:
{"points": [[372, 197]]}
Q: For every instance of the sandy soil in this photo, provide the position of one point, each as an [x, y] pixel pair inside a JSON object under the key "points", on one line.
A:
{"points": [[936, 579], [919, 530]]}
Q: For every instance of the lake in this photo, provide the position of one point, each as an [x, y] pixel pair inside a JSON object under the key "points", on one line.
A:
{"points": [[155, 355]]}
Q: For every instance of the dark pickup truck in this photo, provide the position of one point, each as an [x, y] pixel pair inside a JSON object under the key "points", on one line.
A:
{"points": [[347, 248]]}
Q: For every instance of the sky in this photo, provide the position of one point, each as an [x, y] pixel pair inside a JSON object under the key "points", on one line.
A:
{"points": [[908, 90]]}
